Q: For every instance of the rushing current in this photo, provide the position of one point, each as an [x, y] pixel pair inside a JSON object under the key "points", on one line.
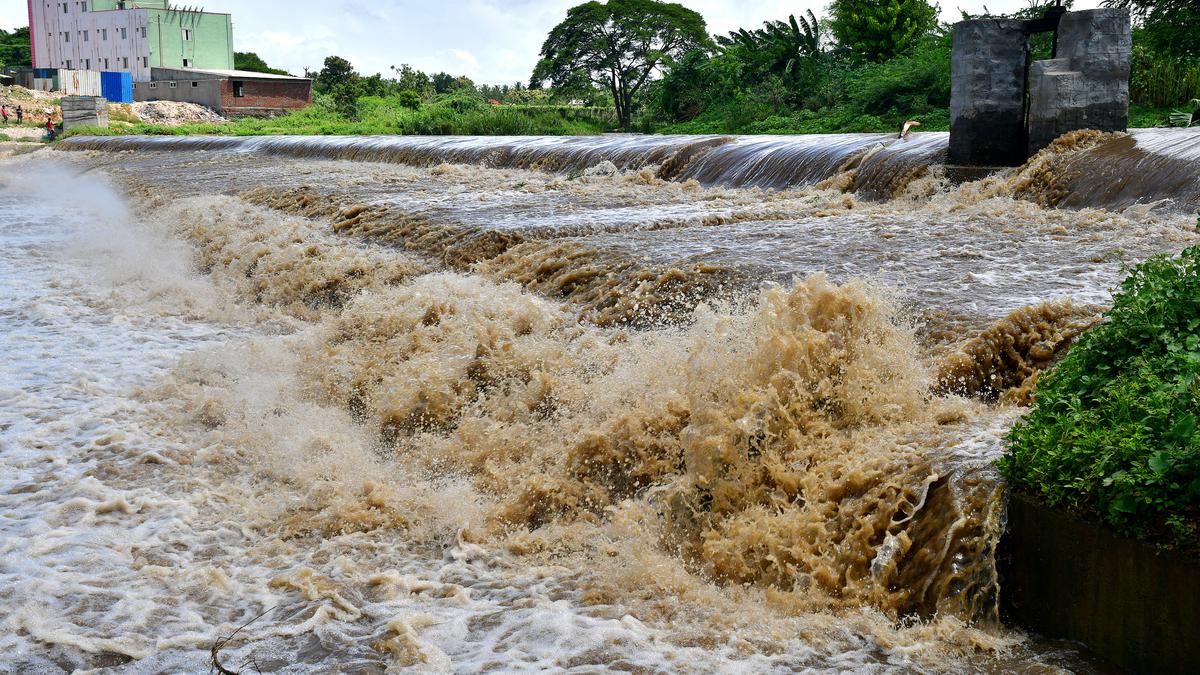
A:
{"points": [[633, 404]]}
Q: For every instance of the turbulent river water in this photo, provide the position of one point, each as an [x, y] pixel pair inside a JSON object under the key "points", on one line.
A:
{"points": [[633, 404]]}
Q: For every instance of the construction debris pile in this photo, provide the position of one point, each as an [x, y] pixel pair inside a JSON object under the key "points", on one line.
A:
{"points": [[173, 113]]}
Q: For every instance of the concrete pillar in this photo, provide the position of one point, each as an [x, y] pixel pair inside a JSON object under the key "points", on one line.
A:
{"points": [[987, 93], [1087, 85]]}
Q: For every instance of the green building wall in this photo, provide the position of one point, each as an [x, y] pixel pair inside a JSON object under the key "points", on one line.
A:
{"points": [[210, 46]]}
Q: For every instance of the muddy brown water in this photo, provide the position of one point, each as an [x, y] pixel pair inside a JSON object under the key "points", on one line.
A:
{"points": [[636, 404]]}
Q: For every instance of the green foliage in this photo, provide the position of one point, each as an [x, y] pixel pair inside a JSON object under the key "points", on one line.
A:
{"points": [[877, 30], [344, 96], [790, 50], [337, 71], [910, 85], [1114, 426], [462, 103], [375, 115], [249, 61], [14, 48], [618, 45], [409, 99], [1162, 80], [1168, 27]]}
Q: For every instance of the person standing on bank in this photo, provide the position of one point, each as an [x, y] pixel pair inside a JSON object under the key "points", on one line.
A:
{"points": [[20, 115], [4, 114]]}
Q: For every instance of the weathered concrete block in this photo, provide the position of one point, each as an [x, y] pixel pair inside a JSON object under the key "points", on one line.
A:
{"points": [[1087, 86], [987, 94]]}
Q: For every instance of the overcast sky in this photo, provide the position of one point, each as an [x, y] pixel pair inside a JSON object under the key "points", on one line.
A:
{"points": [[490, 41]]}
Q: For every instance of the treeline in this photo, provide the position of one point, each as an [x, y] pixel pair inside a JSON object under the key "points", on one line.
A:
{"points": [[869, 66], [14, 48]]}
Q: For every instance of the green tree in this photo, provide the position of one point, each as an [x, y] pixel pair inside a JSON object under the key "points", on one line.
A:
{"points": [[789, 49], [410, 78], [1169, 27], [14, 48], [877, 30], [409, 99], [619, 45], [251, 62], [337, 71]]}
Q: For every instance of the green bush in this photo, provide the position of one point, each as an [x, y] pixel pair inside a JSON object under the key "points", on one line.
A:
{"points": [[409, 99], [1113, 429], [461, 103]]}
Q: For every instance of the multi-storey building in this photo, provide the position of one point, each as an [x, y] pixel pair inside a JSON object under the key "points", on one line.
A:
{"points": [[127, 35]]}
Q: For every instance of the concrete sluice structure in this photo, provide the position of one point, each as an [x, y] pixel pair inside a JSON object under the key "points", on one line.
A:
{"points": [[635, 404], [1005, 107]]}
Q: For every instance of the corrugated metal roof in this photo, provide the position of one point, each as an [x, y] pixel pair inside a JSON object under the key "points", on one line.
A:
{"points": [[240, 74]]}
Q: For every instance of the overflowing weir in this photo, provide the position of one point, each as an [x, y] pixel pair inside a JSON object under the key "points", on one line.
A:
{"points": [[662, 401], [1120, 170]]}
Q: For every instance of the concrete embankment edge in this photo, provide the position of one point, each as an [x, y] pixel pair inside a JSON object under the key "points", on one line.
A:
{"points": [[1132, 605]]}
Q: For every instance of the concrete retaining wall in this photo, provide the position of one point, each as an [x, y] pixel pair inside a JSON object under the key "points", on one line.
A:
{"points": [[1087, 86], [987, 93], [1069, 579]]}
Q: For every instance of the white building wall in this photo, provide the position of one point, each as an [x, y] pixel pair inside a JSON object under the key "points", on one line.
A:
{"points": [[115, 40]]}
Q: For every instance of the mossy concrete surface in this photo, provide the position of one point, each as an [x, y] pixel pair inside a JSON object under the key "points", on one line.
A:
{"points": [[1131, 604]]}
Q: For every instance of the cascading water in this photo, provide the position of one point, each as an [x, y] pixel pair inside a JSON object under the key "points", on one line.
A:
{"points": [[1117, 171], [580, 404]]}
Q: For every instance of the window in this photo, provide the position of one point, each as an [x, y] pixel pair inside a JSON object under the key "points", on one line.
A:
{"points": [[85, 35], [154, 85], [106, 64], [66, 37], [68, 64], [145, 61], [174, 84], [143, 31], [187, 63], [123, 34], [195, 84], [66, 7], [83, 6], [87, 64], [126, 60], [239, 89], [187, 34], [104, 34]]}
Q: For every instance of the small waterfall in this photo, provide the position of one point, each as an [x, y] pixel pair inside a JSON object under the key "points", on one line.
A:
{"points": [[1144, 166]]}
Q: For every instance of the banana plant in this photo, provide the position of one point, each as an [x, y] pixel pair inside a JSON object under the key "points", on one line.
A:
{"points": [[1184, 118]]}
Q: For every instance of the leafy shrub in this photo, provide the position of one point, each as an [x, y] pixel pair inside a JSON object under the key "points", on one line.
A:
{"points": [[1114, 426], [409, 99], [906, 85], [461, 103]]}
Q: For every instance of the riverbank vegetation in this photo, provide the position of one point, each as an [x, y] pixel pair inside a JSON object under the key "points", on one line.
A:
{"points": [[860, 67], [1114, 428]]}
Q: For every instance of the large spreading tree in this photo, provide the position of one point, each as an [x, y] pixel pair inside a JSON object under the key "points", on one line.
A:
{"points": [[619, 45], [878, 30]]}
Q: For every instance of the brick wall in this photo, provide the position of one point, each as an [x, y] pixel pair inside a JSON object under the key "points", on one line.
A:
{"points": [[264, 97]]}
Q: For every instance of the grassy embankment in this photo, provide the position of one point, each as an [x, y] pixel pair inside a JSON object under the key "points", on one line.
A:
{"points": [[1113, 431], [388, 116]]}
